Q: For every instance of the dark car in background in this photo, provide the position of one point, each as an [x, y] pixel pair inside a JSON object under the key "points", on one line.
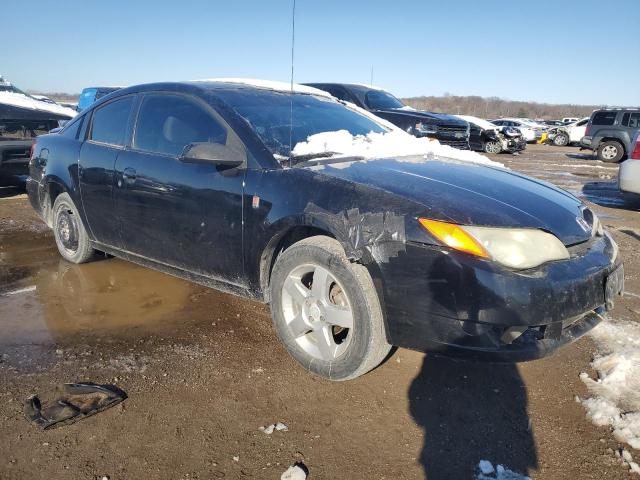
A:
{"points": [[22, 118], [610, 133], [447, 129], [354, 255], [486, 137], [91, 94]]}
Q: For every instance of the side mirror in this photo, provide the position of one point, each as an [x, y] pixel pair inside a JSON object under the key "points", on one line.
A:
{"points": [[215, 153]]}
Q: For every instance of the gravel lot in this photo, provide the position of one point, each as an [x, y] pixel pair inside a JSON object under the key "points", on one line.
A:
{"points": [[203, 371]]}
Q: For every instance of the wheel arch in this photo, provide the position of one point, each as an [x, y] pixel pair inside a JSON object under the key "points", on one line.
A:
{"points": [[287, 235], [297, 230], [621, 141], [53, 187]]}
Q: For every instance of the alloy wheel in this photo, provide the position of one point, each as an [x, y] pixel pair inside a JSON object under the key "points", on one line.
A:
{"points": [[317, 311]]}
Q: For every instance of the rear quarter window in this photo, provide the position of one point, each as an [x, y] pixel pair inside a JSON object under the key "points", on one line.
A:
{"points": [[604, 118], [109, 123], [631, 120], [71, 129]]}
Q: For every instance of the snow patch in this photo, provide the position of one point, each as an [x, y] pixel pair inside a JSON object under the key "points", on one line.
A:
{"points": [[391, 144], [15, 99], [269, 85], [616, 390], [294, 472], [500, 472]]}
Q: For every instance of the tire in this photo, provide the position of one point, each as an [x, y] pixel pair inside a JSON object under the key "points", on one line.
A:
{"points": [[71, 236], [304, 317], [561, 140], [610, 151], [492, 147]]}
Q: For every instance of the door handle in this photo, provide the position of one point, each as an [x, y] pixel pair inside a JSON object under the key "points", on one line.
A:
{"points": [[129, 175]]}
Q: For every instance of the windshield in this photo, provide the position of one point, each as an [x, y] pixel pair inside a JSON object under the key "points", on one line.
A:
{"points": [[269, 114], [380, 100]]}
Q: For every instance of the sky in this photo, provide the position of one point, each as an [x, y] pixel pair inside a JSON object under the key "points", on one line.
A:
{"points": [[571, 51]]}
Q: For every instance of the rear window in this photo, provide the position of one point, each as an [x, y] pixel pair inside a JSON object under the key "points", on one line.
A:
{"points": [[109, 123], [631, 120], [379, 100], [71, 129], [604, 118]]}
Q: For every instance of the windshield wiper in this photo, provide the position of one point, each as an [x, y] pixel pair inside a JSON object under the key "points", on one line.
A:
{"points": [[324, 158]]}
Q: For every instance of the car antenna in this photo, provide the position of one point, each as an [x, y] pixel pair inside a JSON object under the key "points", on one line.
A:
{"points": [[293, 43]]}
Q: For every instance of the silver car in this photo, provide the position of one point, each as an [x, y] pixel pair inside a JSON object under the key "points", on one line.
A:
{"points": [[629, 172]]}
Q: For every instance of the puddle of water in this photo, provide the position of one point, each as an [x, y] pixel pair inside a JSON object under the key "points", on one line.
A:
{"points": [[46, 300]]}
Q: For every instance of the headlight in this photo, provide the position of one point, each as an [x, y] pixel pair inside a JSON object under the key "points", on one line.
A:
{"points": [[517, 248], [426, 127]]}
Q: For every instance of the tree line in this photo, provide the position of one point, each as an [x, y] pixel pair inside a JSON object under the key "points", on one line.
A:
{"points": [[495, 107]]}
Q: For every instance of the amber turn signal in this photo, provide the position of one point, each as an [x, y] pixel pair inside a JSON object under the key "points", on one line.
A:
{"points": [[454, 236]]}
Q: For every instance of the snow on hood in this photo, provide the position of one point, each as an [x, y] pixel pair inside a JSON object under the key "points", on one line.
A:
{"points": [[484, 124], [23, 101], [270, 85], [395, 143], [616, 391]]}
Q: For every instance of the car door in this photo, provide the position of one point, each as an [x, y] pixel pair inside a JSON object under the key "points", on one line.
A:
{"points": [[186, 215], [106, 137]]}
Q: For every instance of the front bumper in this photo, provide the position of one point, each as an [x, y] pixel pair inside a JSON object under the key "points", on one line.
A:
{"points": [[449, 302]]}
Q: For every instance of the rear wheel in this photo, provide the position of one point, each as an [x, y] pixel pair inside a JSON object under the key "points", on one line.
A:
{"points": [[326, 310], [610, 151], [492, 147], [71, 236], [561, 140]]}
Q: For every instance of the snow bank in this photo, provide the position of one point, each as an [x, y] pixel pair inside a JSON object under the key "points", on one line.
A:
{"points": [[488, 472], [395, 143], [23, 101], [269, 84], [616, 391]]}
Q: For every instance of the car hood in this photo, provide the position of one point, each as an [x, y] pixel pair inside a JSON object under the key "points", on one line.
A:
{"points": [[471, 194], [430, 117]]}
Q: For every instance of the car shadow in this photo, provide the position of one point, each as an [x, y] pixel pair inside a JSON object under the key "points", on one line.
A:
{"points": [[471, 411], [583, 156], [607, 194]]}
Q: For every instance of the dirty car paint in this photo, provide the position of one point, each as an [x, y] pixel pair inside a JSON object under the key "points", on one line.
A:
{"points": [[203, 223]]}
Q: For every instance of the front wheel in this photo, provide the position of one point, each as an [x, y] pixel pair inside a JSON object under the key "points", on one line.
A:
{"points": [[492, 147], [326, 310], [561, 140], [610, 151], [71, 237]]}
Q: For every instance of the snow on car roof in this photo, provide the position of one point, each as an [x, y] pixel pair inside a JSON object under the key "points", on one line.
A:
{"points": [[269, 85], [23, 101], [478, 121]]}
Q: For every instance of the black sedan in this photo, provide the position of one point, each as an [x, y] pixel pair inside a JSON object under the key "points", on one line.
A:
{"points": [[486, 137], [198, 179], [447, 129]]}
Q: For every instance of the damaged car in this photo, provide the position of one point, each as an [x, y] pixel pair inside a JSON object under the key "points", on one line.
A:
{"points": [[486, 137], [357, 242], [562, 136]]}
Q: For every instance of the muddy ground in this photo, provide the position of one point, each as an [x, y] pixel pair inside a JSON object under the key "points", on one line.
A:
{"points": [[203, 370]]}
